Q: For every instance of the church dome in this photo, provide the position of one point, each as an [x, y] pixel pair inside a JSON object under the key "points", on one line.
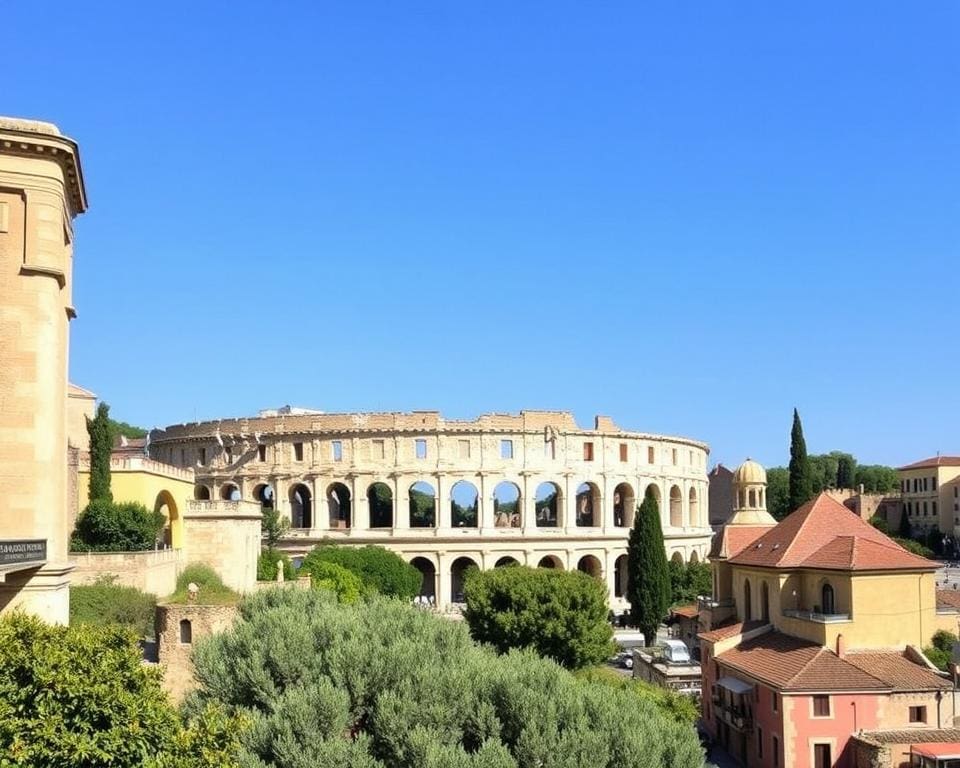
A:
{"points": [[750, 473]]}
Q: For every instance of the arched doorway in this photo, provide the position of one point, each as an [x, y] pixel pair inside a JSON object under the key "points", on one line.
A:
{"points": [[588, 505], [506, 505], [301, 507], [380, 501], [464, 505], [338, 504], [428, 587], [551, 561], [676, 507], [264, 494], [620, 575], [166, 505], [827, 605], [423, 506], [547, 505], [624, 505], [458, 571], [590, 565], [229, 492], [201, 492]]}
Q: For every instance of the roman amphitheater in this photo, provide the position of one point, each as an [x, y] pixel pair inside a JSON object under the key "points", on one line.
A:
{"points": [[532, 488]]}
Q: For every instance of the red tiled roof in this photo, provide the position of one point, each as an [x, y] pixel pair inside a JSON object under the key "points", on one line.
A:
{"points": [[934, 462], [823, 533], [687, 611], [792, 664], [895, 669], [731, 630], [948, 598], [938, 749], [733, 538]]}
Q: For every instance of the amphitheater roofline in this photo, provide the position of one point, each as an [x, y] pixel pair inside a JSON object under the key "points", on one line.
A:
{"points": [[410, 422]]}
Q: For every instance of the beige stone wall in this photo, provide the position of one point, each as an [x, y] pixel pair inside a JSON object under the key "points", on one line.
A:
{"points": [[226, 536], [153, 571], [41, 190], [81, 405], [174, 654]]}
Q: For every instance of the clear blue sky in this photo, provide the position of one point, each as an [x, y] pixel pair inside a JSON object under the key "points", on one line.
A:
{"points": [[689, 216]]}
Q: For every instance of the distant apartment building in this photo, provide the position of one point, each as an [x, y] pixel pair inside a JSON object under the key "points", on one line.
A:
{"points": [[930, 494]]}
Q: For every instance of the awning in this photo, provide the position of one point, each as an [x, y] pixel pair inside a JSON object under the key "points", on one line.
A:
{"points": [[734, 685], [943, 750]]}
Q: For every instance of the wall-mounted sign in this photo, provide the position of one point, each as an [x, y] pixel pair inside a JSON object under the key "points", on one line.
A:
{"points": [[15, 551]]}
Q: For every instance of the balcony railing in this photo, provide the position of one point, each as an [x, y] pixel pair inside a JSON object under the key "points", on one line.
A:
{"points": [[819, 618]]}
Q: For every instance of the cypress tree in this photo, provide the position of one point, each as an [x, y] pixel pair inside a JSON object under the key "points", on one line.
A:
{"points": [[101, 446], [648, 576], [800, 483]]}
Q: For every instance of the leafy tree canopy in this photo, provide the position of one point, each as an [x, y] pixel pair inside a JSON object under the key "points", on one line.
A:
{"points": [[127, 430], [688, 581], [560, 614], [379, 569], [106, 526]]}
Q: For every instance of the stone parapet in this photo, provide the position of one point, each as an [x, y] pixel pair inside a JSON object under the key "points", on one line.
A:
{"points": [[153, 571]]}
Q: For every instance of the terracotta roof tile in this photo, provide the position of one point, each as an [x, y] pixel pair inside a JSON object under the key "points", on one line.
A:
{"points": [[933, 462], [731, 630], [732, 539], [792, 664], [895, 669], [948, 598], [687, 611], [823, 533], [913, 736]]}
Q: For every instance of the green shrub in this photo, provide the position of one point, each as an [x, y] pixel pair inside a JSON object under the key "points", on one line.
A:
{"points": [[81, 696], [682, 708], [105, 603], [560, 614], [914, 546], [940, 651], [380, 683], [379, 569], [212, 589], [107, 526], [688, 581], [267, 565], [346, 585]]}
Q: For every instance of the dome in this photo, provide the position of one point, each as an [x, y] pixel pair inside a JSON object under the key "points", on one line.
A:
{"points": [[750, 473]]}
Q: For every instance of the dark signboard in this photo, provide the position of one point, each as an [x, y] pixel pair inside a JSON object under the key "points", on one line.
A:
{"points": [[14, 551]]}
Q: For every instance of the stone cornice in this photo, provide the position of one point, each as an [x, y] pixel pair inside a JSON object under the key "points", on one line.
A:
{"points": [[16, 138]]}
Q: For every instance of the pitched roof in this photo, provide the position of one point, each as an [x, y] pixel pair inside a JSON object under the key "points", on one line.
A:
{"points": [[730, 630], [823, 533], [912, 736], [898, 671], [74, 390], [792, 664], [933, 462], [687, 611], [732, 539]]}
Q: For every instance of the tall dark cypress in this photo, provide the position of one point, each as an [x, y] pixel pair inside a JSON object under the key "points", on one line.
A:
{"points": [[801, 487], [648, 577], [101, 446]]}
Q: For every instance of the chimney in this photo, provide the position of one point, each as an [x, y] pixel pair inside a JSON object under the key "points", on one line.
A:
{"points": [[841, 646]]}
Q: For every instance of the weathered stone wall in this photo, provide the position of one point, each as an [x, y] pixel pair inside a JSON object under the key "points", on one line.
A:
{"points": [[154, 571], [175, 640], [226, 536]]}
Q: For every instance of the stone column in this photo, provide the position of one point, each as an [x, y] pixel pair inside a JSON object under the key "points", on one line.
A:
{"points": [[569, 505], [401, 505], [444, 581], [441, 512], [485, 517], [609, 573], [528, 521], [359, 508], [321, 511]]}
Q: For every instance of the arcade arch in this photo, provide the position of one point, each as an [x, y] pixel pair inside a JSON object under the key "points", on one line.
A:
{"points": [[423, 505], [550, 561], [338, 505], [624, 505], [264, 494], [620, 576], [229, 492], [676, 507], [588, 505], [590, 565], [380, 501], [201, 492], [464, 505], [301, 507], [547, 505], [428, 587], [506, 505], [166, 505], [458, 570]]}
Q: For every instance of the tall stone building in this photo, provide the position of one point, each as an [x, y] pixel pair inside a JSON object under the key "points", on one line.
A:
{"points": [[41, 192]]}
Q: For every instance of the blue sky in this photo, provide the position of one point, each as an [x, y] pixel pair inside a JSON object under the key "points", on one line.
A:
{"points": [[692, 217]]}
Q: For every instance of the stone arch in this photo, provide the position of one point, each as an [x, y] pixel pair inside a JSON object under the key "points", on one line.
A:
{"points": [[380, 501], [506, 561], [507, 505], [423, 505], [747, 601], [620, 576], [764, 603], [186, 632], [694, 502], [230, 492], [694, 557], [301, 506], [263, 492], [624, 505], [464, 505], [551, 561], [588, 505], [677, 557], [676, 507], [590, 565], [428, 572], [201, 492], [547, 504], [653, 490], [458, 571], [338, 505], [166, 505]]}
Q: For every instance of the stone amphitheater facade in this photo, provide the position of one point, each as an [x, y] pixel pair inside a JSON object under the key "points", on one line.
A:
{"points": [[532, 488]]}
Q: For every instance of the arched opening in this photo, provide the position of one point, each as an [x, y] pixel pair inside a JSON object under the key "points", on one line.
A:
{"points": [[624, 505], [201, 492], [652, 491], [694, 508], [753, 498], [186, 631], [676, 507], [620, 575], [264, 494], [380, 500], [458, 571], [338, 504], [229, 492], [464, 505], [423, 506], [301, 507], [590, 565], [694, 557], [747, 603], [547, 505], [506, 562], [827, 605], [677, 557], [428, 587], [764, 603], [166, 505], [506, 505], [588, 505], [742, 496], [550, 561]]}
